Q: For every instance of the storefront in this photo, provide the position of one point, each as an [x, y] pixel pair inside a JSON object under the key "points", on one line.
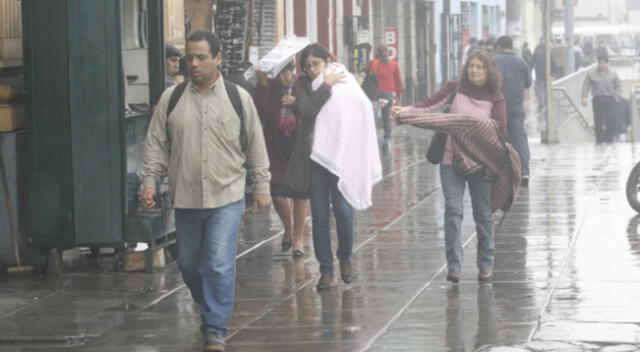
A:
{"points": [[93, 71]]}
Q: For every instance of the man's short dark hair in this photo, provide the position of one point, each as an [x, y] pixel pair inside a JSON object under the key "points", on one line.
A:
{"points": [[603, 58], [505, 42], [210, 37], [171, 51]]}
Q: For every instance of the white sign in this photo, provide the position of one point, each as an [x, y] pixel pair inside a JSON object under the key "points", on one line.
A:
{"points": [[391, 41], [362, 36]]}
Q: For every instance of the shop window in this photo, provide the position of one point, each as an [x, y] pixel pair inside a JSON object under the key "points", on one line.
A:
{"points": [[135, 54]]}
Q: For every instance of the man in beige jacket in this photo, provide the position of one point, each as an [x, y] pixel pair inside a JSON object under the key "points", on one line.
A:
{"points": [[207, 144]]}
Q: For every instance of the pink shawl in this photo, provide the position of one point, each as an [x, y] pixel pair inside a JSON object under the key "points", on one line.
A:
{"points": [[345, 140], [478, 144]]}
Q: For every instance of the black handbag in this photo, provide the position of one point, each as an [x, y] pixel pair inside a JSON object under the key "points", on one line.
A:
{"points": [[370, 83], [435, 151], [370, 86]]}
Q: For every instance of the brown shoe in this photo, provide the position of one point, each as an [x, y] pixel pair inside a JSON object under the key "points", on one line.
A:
{"points": [[453, 276], [346, 271], [485, 275], [324, 282]]}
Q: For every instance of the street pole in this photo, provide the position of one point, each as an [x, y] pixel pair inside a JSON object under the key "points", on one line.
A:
{"points": [[445, 38], [513, 21], [551, 135], [569, 62]]}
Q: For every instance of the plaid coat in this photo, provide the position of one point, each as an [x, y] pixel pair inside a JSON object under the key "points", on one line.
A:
{"points": [[478, 146]]}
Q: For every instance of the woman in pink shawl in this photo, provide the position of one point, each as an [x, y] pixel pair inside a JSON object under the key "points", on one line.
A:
{"points": [[475, 154], [336, 155]]}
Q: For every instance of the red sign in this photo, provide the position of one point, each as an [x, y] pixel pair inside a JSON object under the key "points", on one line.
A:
{"points": [[391, 41]]}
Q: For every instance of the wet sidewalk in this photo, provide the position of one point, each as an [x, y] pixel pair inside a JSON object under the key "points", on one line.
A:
{"points": [[566, 278]]}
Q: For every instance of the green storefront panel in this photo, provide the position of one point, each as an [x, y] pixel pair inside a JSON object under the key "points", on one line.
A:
{"points": [[50, 187], [84, 155], [94, 85]]}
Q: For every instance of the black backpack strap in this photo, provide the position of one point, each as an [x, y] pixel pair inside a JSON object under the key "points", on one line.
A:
{"points": [[234, 96], [175, 97]]}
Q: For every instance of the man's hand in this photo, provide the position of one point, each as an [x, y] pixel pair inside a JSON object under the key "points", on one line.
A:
{"points": [[585, 102], [260, 201], [147, 197], [288, 100], [334, 78]]}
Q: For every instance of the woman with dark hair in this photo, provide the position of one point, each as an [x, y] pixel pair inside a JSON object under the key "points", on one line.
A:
{"points": [[389, 87], [274, 102], [479, 98], [335, 157]]}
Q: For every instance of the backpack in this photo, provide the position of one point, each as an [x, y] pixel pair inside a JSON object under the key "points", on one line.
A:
{"points": [[234, 96]]}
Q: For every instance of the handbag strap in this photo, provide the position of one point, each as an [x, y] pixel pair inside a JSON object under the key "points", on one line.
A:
{"points": [[447, 106]]}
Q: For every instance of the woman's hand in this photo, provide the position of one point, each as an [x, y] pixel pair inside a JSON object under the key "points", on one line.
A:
{"points": [[397, 110], [288, 100], [334, 78], [263, 78]]}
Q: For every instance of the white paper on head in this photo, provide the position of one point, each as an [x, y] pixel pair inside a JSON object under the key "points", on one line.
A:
{"points": [[278, 57]]}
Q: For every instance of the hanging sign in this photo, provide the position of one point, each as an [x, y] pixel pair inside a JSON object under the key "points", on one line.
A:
{"points": [[391, 41]]}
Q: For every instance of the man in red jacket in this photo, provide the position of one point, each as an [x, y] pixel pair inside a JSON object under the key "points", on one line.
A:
{"points": [[389, 87]]}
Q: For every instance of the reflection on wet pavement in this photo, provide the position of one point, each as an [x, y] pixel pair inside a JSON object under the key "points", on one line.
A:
{"points": [[566, 276]]}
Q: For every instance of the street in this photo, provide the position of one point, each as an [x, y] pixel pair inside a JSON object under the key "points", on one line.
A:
{"points": [[566, 276]]}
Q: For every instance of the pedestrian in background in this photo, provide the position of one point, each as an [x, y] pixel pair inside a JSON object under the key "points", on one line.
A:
{"points": [[491, 45], [527, 55], [578, 57], [516, 77], [601, 50], [336, 155], [540, 67], [208, 150], [606, 89], [274, 101], [588, 51], [171, 65], [471, 47], [389, 87], [478, 94], [482, 45]]}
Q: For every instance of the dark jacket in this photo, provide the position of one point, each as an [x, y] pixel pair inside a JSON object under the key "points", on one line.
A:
{"points": [[268, 101], [307, 106], [516, 78], [527, 56], [539, 62]]}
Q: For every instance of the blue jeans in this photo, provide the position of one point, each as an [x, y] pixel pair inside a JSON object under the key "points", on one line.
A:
{"points": [[386, 111], [323, 190], [207, 241], [453, 185]]}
